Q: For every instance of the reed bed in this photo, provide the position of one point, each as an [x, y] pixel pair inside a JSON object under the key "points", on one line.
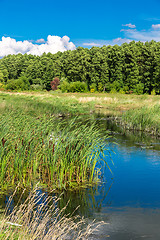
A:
{"points": [[144, 119], [56, 153], [39, 218]]}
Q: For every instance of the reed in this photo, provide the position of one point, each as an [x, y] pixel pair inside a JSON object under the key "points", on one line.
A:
{"points": [[56, 153], [144, 119]]}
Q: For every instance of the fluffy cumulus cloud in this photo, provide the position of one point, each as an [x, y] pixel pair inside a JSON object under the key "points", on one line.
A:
{"points": [[53, 45]]}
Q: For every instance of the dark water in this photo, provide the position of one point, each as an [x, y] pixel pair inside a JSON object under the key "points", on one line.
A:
{"points": [[128, 200]]}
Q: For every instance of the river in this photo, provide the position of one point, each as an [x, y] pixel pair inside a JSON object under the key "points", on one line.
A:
{"points": [[128, 199]]}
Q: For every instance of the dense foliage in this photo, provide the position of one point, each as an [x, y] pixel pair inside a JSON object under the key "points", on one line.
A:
{"points": [[133, 67]]}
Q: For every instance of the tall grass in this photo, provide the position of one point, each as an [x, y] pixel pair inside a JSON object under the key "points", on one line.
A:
{"points": [[143, 119], [43, 149], [39, 218]]}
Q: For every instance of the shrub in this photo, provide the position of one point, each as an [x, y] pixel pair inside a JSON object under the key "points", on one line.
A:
{"points": [[36, 87], [64, 86], [78, 87], [121, 91], [153, 92], [55, 83], [100, 87], [73, 86], [138, 89], [21, 83], [93, 88]]}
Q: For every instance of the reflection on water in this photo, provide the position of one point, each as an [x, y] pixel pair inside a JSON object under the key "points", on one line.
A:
{"points": [[129, 198]]}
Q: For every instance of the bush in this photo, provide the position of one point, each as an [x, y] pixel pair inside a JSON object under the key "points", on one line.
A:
{"points": [[100, 87], [93, 88], [138, 89], [36, 87], [113, 90], [21, 83], [55, 83], [121, 91], [153, 92], [78, 87], [64, 86], [73, 86]]}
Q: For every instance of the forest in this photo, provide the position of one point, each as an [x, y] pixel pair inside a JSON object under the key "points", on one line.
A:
{"points": [[130, 68]]}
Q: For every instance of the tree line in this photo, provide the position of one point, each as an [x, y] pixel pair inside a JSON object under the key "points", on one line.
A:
{"points": [[133, 67]]}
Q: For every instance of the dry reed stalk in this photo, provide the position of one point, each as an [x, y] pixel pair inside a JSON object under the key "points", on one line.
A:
{"points": [[39, 218]]}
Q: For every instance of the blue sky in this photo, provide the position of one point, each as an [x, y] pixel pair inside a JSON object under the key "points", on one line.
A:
{"points": [[86, 23]]}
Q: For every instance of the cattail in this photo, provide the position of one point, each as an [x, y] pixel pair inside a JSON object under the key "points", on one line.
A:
{"points": [[53, 148], [3, 141], [16, 147], [66, 149], [50, 143]]}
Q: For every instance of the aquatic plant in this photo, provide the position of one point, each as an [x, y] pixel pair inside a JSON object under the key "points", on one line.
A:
{"points": [[56, 153]]}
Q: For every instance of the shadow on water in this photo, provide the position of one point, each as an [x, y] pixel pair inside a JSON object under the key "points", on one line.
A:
{"points": [[129, 198]]}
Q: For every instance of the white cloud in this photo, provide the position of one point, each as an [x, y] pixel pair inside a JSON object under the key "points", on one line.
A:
{"points": [[156, 26], [40, 40], [127, 30], [53, 44], [129, 25], [91, 44], [119, 41], [144, 35]]}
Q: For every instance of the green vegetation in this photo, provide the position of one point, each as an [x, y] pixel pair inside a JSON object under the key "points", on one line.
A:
{"points": [[144, 119], [36, 146], [129, 68]]}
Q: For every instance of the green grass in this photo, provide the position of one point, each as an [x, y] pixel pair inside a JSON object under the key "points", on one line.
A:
{"points": [[35, 105], [144, 119]]}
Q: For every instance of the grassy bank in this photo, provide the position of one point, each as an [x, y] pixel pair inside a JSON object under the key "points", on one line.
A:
{"points": [[143, 119]]}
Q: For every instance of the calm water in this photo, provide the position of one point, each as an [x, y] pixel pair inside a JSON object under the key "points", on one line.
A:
{"points": [[128, 200]]}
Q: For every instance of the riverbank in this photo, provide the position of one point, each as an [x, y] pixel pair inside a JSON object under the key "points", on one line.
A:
{"points": [[138, 112]]}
